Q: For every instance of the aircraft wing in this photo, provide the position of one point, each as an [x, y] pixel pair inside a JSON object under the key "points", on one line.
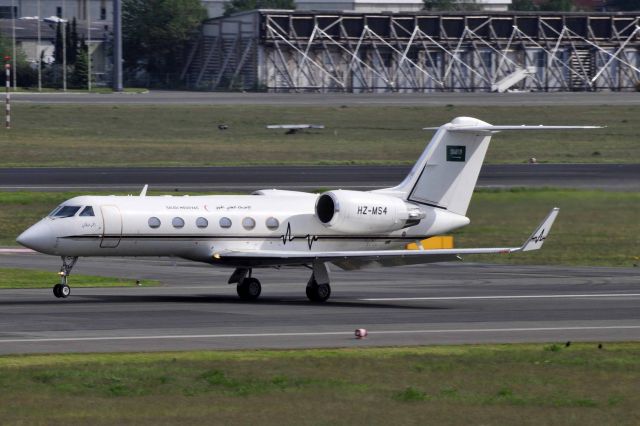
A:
{"points": [[359, 259]]}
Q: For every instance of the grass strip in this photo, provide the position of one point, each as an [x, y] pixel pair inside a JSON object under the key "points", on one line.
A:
{"points": [[594, 228], [26, 278], [188, 135], [491, 384]]}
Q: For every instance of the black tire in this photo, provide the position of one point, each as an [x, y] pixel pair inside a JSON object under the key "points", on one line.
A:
{"points": [[249, 289], [318, 293], [56, 290], [64, 291]]}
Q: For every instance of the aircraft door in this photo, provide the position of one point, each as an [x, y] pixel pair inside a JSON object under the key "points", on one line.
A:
{"points": [[112, 227]]}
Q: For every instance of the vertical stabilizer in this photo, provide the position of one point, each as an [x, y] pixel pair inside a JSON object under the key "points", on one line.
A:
{"points": [[447, 171]]}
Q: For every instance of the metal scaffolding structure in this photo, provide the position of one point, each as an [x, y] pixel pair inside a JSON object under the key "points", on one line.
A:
{"points": [[416, 52]]}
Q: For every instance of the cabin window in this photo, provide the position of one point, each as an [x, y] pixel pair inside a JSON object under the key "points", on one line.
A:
{"points": [[225, 222], [272, 223], [87, 211], [66, 211], [177, 222], [154, 222], [248, 223], [201, 222]]}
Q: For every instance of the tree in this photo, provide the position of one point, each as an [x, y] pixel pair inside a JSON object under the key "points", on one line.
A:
{"points": [[72, 42], [628, 5], [26, 74], [523, 5], [557, 5], [79, 76], [235, 6], [155, 33], [448, 5], [57, 46]]}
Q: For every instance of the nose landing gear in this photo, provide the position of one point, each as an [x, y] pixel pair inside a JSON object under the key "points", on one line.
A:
{"points": [[62, 289]]}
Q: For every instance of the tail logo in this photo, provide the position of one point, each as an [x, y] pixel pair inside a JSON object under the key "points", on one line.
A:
{"points": [[456, 153], [539, 238]]}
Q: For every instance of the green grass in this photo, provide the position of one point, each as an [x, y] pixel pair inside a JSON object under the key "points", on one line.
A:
{"points": [[24, 278], [146, 135], [593, 228], [491, 384]]}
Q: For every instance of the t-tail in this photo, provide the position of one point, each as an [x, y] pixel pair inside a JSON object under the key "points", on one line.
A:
{"points": [[446, 173]]}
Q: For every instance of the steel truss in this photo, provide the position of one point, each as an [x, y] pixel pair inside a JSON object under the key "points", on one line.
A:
{"points": [[418, 53]]}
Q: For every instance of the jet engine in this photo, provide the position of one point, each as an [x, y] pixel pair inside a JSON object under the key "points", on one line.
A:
{"points": [[365, 212]]}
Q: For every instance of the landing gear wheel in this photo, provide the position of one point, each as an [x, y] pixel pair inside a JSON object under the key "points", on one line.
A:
{"points": [[249, 289], [64, 291], [318, 292]]}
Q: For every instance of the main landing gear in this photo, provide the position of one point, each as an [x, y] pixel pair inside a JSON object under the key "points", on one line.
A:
{"points": [[318, 288], [318, 293], [249, 288], [62, 289]]}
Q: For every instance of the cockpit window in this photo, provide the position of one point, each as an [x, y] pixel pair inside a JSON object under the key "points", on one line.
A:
{"points": [[54, 211], [87, 211], [66, 211]]}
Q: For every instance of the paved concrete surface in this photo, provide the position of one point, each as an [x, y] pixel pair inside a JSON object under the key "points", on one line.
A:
{"points": [[434, 304]]}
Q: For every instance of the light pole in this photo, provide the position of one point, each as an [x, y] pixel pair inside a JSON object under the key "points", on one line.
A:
{"points": [[89, 46], [117, 46], [64, 49], [13, 31], [38, 53]]}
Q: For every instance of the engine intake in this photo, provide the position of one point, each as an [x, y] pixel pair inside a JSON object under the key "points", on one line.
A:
{"points": [[365, 212]]}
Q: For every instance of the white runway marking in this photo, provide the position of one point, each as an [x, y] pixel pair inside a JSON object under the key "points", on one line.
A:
{"points": [[517, 296], [318, 334]]}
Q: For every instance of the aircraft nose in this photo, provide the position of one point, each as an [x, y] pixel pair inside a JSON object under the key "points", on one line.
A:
{"points": [[39, 237]]}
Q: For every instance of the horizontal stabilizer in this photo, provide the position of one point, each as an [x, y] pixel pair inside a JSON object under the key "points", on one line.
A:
{"points": [[489, 128]]}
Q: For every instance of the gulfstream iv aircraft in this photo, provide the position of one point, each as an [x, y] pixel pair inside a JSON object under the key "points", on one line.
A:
{"points": [[272, 228]]}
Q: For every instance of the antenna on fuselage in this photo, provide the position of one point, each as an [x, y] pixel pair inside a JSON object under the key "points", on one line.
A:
{"points": [[143, 193]]}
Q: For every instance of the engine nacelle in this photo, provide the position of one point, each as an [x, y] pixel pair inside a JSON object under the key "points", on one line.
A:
{"points": [[365, 212]]}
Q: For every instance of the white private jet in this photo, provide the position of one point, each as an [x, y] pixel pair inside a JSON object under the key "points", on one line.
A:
{"points": [[273, 228]]}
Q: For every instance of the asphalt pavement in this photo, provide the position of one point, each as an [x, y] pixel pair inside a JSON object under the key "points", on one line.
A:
{"points": [[158, 97], [424, 305], [596, 176]]}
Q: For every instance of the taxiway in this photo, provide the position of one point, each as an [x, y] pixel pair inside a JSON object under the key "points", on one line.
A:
{"points": [[434, 304], [336, 99], [595, 176]]}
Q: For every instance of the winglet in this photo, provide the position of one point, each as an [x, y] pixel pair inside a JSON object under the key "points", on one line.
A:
{"points": [[143, 193], [536, 239]]}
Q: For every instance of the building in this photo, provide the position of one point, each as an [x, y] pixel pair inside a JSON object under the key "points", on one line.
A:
{"points": [[99, 13], [97, 10], [215, 8], [286, 51], [367, 6]]}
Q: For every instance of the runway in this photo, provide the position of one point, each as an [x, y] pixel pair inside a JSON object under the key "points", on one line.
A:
{"points": [[158, 97], [596, 176], [426, 305]]}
